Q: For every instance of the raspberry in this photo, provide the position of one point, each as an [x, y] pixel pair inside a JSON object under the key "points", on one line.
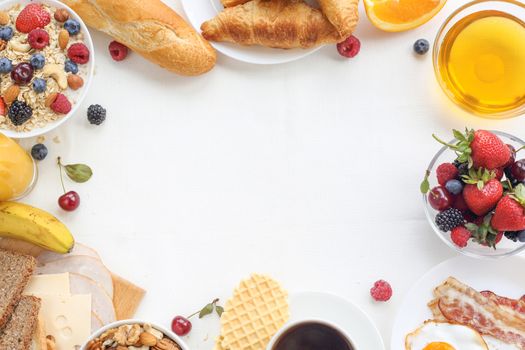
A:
{"points": [[61, 105], [78, 53], [350, 47], [118, 51], [460, 236], [38, 38], [381, 291], [2, 107], [31, 17], [445, 172]]}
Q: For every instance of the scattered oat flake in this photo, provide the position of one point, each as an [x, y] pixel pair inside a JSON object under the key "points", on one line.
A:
{"points": [[40, 139], [56, 139]]}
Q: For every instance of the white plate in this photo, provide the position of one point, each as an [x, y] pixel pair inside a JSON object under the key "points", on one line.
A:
{"points": [[336, 310], [504, 277], [199, 11]]}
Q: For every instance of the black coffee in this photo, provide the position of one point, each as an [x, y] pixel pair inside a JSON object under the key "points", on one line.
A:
{"points": [[312, 336]]}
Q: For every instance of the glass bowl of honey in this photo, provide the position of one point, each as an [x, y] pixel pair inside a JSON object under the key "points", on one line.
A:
{"points": [[479, 58]]}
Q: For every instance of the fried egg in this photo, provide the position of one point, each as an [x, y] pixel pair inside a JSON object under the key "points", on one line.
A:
{"points": [[495, 344], [444, 336]]}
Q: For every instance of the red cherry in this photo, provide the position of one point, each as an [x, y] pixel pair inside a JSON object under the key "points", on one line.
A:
{"points": [[181, 326], [69, 201], [439, 198]]}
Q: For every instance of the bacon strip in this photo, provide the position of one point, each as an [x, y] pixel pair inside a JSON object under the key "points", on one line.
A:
{"points": [[461, 304], [516, 305]]}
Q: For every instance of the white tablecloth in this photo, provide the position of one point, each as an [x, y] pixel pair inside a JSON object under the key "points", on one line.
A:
{"points": [[308, 171]]}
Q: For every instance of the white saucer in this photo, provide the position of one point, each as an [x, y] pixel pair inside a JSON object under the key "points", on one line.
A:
{"points": [[199, 11], [504, 277], [334, 309]]}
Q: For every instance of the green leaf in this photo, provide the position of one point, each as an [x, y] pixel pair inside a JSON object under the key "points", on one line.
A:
{"points": [[78, 172], [208, 309], [219, 309], [425, 185]]}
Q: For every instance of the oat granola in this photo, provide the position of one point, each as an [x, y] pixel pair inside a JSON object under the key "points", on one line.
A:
{"points": [[18, 50]]}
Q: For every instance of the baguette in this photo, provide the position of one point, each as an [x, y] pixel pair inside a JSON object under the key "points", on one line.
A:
{"points": [[152, 29]]}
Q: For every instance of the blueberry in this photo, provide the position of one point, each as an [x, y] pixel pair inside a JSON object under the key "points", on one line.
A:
{"points": [[37, 61], [6, 33], [454, 186], [421, 46], [39, 85], [5, 65], [72, 26], [71, 67], [39, 151], [521, 236]]}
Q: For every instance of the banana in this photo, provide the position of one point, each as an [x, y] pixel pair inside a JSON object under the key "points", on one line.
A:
{"points": [[33, 225]]}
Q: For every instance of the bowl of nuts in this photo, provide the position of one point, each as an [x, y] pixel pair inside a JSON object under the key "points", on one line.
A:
{"points": [[134, 335], [46, 66]]}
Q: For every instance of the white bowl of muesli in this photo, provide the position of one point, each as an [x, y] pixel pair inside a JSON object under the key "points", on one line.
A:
{"points": [[46, 66], [132, 335]]}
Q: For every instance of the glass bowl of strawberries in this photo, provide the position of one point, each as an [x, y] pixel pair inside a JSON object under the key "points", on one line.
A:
{"points": [[474, 193]]}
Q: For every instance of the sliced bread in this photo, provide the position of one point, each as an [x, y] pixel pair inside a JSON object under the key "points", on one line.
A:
{"points": [[15, 271], [19, 330]]}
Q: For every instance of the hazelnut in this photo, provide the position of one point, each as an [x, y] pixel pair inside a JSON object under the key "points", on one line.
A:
{"points": [[61, 15], [75, 82]]}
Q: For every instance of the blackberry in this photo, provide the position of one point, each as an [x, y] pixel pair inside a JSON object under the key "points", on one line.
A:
{"points": [[463, 169], [449, 219], [96, 114], [39, 151], [20, 112]]}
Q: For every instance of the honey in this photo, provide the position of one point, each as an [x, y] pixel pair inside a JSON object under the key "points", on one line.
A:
{"points": [[482, 62]]}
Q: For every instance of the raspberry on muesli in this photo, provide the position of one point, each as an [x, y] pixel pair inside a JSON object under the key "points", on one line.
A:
{"points": [[33, 58]]}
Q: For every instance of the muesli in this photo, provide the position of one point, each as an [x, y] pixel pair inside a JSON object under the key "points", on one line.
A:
{"points": [[43, 64]]}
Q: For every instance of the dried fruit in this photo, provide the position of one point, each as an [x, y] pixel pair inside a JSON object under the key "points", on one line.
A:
{"points": [[63, 39], [75, 82]]}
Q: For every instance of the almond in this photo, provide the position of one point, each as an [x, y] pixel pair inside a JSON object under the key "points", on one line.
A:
{"points": [[75, 82], [3, 44], [61, 15], [4, 18], [11, 94], [63, 39], [148, 339], [50, 99]]}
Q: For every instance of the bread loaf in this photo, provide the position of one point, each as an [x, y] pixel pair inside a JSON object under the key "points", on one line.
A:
{"points": [[151, 29]]}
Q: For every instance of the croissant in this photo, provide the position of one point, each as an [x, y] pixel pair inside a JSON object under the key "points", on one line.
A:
{"points": [[282, 24], [231, 3], [343, 14]]}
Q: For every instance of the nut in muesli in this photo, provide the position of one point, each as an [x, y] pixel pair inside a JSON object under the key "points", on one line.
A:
{"points": [[61, 15], [3, 45], [63, 39], [133, 337], [56, 72], [4, 18], [11, 94]]}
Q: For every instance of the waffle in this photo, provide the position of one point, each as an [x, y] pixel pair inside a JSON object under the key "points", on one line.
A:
{"points": [[256, 311]]}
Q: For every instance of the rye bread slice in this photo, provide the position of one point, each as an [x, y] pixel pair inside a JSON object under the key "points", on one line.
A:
{"points": [[15, 271], [18, 332]]}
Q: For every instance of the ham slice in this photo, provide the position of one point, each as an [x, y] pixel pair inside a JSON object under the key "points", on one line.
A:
{"points": [[82, 265], [101, 303], [79, 249]]}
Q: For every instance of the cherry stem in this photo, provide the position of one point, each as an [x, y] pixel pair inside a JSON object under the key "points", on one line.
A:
{"points": [[214, 302], [60, 170], [519, 149]]}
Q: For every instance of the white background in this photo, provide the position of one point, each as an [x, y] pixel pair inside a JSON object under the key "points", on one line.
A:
{"points": [[308, 171]]}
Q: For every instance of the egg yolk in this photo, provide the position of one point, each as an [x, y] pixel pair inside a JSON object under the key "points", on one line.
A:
{"points": [[439, 346]]}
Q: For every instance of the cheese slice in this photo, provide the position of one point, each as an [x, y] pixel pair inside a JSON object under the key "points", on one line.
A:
{"points": [[48, 284], [67, 318]]}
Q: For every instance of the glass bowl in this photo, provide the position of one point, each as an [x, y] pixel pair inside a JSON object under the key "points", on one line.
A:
{"points": [[511, 7], [504, 248]]}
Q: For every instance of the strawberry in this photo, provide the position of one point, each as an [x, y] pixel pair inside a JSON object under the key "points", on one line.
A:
{"points": [[480, 148], [483, 232], [445, 172], [510, 214], [482, 192], [31, 17], [2, 107], [499, 173], [460, 236]]}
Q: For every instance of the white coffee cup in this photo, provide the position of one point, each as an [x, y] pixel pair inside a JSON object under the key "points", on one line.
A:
{"points": [[291, 325]]}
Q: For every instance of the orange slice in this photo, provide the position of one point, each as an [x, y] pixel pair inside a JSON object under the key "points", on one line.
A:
{"points": [[401, 15]]}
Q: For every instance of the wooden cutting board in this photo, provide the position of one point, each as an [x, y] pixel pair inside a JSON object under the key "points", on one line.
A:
{"points": [[126, 295]]}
